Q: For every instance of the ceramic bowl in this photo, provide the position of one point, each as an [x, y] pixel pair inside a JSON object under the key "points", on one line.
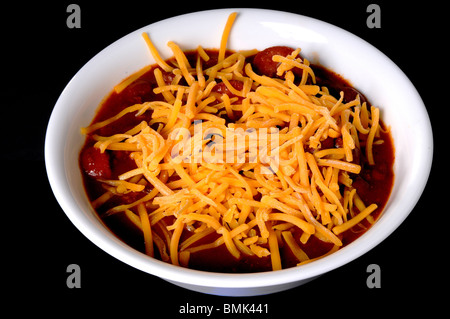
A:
{"points": [[368, 69]]}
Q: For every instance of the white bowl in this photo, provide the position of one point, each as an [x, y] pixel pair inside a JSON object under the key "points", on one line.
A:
{"points": [[367, 68]]}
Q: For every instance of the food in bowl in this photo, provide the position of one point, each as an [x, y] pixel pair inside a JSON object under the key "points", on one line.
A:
{"points": [[241, 161]]}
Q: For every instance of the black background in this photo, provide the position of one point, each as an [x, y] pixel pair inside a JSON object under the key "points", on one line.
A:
{"points": [[40, 56]]}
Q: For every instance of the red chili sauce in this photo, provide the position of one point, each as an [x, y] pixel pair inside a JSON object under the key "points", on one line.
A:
{"points": [[373, 184]]}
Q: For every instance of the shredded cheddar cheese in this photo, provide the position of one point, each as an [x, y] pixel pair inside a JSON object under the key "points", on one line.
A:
{"points": [[251, 194]]}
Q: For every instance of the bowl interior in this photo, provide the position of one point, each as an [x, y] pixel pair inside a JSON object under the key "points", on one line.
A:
{"points": [[367, 69]]}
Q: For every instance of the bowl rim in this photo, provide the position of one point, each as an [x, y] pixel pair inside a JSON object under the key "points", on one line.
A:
{"points": [[112, 245]]}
